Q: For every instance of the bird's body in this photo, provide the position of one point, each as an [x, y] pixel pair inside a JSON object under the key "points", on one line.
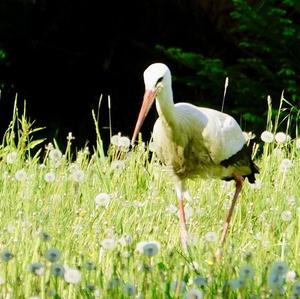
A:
{"points": [[199, 143], [194, 141]]}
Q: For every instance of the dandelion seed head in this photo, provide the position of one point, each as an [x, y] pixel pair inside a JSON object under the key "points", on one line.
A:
{"points": [[291, 201], [97, 293], [171, 209], [296, 289], [246, 272], [211, 237], [281, 137], [52, 255], [11, 157], [2, 280], [267, 137], [114, 282], [102, 199], [285, 165], [108, 244], [117, 165], [44, 236], [55, 154], [115, 140], [249, 135], [129, 289], [148, 248], [21, 175], [125, 240], [72, 276], [6, 255], [90, 266], [178, 285], [286, 216], [290, 276], [200, 281], [236, 284], [124, 142], [49, 177], [37, 268], [57, 270], [77, 175], [194, 294]]}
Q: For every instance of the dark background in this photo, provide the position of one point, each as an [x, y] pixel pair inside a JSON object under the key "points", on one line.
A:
{"points": [[61, 55]]}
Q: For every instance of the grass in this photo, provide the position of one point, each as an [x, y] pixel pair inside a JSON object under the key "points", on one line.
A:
{"points": [[71, 224]]}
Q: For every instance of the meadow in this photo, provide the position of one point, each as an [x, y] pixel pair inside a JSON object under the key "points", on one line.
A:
{"points": [[89, 224]]}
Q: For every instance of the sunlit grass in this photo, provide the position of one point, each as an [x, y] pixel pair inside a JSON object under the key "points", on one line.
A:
{"points": [[89, 225]]}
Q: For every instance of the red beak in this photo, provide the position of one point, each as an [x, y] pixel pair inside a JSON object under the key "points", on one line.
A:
{"points": [[148, 100]]}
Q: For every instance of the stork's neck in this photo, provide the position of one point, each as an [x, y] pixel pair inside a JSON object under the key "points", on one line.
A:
{"points": [[165, 105]]}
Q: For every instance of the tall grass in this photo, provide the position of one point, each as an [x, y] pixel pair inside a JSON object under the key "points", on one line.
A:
{"points": [[71, 225]]}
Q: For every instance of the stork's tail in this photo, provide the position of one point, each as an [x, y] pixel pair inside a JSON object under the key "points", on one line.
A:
{"points": [[254, 169]]}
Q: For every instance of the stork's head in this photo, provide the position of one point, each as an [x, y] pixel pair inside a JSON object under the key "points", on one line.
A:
{"points": [[157, 77]]}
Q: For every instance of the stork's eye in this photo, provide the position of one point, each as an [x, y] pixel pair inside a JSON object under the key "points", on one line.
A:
{"points": [[159, 80]]}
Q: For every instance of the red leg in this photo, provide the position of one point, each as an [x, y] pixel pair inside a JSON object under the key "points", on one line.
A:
{"points": [[239, 184], [183, 226], [180, 191]]}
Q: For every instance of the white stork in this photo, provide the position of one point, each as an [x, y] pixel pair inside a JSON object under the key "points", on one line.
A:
{"points": [[194, 141]]}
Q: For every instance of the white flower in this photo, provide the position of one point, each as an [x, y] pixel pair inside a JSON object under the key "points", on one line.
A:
{"points": [[246, 272], [286, 215], [108, 244], [124, 141], [281, 137], [290, 276], [125, 240], [172, 209], [55, 154], [296, 289], [117, 165], [120, 141], [97, 293], [194, 294], [211, 237], [236, 283], [249, 135], [21, 175], [77, 175], [11, 157], [129, 289], [267, 137], [102, 199], [188, 211], [178, 285], [298, 143], [277, 275], [200, 281], [49, 177], [291, 201], [149, 248], [285, 165], [72, 275]]}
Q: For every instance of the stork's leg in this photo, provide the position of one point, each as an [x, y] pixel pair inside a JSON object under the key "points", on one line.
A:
{"points": [[183, 227], [239, 184]]}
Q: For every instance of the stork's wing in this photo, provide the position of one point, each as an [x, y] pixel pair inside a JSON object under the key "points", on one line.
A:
{"points": [[219, 132]]}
